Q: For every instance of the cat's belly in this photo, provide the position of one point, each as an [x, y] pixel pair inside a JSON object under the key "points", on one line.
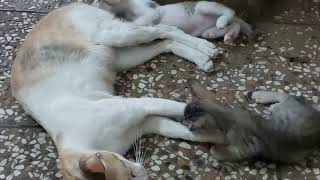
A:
{"points": [[194, 25]]}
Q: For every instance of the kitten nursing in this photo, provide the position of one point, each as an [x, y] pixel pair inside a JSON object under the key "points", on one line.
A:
{"points": [[290, 134], [209, 20], [63, 77]]}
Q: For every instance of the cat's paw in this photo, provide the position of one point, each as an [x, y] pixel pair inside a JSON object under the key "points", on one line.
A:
{"points": [[207, 47], [222, 22], [205, 63]]}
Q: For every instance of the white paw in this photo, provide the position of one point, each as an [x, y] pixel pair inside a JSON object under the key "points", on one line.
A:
{"points": [[205, 64], [207, 47], [221, 22]]}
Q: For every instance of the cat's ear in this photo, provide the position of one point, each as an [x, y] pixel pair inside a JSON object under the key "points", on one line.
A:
{"points": [[198, 91], [92, 165]]}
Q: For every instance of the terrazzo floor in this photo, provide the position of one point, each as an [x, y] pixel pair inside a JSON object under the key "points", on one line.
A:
{"points": [[284, 57]]}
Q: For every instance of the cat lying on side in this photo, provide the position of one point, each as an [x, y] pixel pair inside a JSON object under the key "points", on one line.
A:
{"points": [[63, 77], [209, 20], [290, 134]]}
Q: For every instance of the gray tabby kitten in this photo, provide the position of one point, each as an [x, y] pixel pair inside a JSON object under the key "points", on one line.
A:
{"points": [[290, 134]]}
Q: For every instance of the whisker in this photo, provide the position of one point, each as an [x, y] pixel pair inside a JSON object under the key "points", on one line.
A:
{"points": [[137, 147], [147, 162]]}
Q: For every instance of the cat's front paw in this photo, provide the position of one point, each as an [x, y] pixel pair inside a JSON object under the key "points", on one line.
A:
{"points": [[206, 65], [222, 22], [208, 48]]}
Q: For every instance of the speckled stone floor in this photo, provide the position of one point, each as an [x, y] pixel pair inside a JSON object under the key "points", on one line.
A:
{"points": [[284, 57]]}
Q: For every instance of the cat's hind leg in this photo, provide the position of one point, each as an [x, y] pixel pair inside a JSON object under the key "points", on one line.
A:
{"points": [[216, 9], [267, 97], [169, 128]]}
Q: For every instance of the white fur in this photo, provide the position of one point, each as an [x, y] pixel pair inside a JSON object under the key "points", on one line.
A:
{"points": [[77, 101], [209, 20]]}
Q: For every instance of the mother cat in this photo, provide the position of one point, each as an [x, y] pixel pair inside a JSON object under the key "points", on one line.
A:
{"points": [[63, 77]]}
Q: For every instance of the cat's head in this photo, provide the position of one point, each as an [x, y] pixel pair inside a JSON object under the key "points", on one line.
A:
{"points": [[102, 165], [198, 115]]}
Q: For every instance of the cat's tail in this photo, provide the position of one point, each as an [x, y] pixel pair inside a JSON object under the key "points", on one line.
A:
{"points": [[245, 27]]}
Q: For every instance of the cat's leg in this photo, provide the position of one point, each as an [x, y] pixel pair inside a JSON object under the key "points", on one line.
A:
{"points": [[128, 34], [266, 97], [216, 9], [127, 112], [214, 33], [169, 128], [230, 33], [132, 56], [133, 35]]}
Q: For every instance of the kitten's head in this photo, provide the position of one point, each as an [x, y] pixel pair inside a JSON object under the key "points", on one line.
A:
{"points": [[101, 165], [197, 113]]}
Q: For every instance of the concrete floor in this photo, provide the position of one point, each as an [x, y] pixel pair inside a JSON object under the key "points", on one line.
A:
{"points": [[285, 57]]}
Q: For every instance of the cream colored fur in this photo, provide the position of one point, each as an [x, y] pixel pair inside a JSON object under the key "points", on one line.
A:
{"points": [[63, 76]]}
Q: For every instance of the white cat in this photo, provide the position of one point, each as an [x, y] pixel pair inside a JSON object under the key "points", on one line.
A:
{"points": [[206, 19], [63, 76]]}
